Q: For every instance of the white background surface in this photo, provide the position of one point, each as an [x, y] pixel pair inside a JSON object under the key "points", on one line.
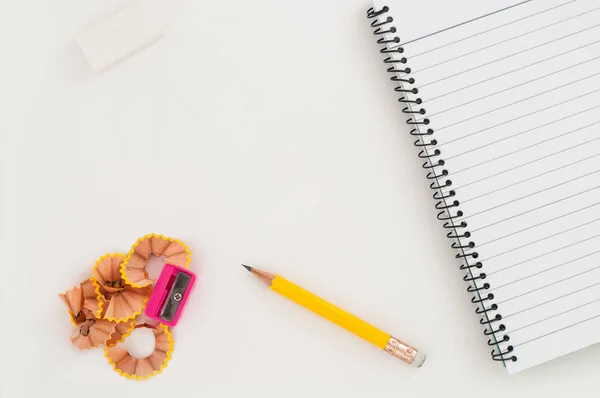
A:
{"points": [[261, 132]]}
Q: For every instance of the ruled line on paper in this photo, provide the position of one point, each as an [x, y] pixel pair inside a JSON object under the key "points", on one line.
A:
{"points": [[551, 301], [514, 330], [530, 195], [536, 192], [536, 144], [523, 181], [463, 23], [457, 187], [493, 29], [520, 85], [559, 281], [521, 101], [522, 149], [561, 119], [510, 39], [558, 330], [536, 241], [538, 224], [535, 209], [533, 113], [538, 257], [553, 58], [502, 58]]}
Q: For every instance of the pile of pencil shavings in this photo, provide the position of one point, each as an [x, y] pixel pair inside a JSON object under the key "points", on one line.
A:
{"points": [[106, 308]]}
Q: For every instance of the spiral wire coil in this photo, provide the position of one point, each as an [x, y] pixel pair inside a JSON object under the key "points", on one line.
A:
{"points": [[439, 177]]}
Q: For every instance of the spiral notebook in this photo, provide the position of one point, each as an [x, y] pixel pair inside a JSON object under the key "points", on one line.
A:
{"points": [[503, 99]]}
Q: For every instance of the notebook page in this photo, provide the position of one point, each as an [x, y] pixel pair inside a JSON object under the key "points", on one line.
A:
{"points": [[512, 92]]}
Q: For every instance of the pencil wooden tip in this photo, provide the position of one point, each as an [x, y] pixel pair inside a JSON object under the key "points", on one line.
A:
{"points": [[266, 277]]}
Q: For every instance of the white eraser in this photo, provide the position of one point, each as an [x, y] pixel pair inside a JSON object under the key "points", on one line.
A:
{"points": [[121, 34], [419, 359]]}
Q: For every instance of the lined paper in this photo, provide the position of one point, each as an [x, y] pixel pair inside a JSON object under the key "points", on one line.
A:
{"points": [[513, 95]]}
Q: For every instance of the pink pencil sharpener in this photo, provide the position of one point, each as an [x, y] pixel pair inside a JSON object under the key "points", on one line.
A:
{"points": [[171, 293]]}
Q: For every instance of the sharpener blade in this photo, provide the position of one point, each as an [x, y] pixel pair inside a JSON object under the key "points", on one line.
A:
{"points": [[175, 296]]}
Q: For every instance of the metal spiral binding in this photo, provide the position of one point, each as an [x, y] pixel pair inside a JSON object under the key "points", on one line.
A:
{"points": [[439, 177]]}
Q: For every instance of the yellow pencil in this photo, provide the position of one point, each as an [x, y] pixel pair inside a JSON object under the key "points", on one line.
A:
{"points": [[383, 340]]}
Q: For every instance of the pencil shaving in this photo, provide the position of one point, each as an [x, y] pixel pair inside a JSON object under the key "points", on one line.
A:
{"points": [[144, 368], [85, 296], [124, 302], [122, 330], [92, 298], [104, 308], [107, 272], [91, 332], [73, 299], [172, 251]]}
